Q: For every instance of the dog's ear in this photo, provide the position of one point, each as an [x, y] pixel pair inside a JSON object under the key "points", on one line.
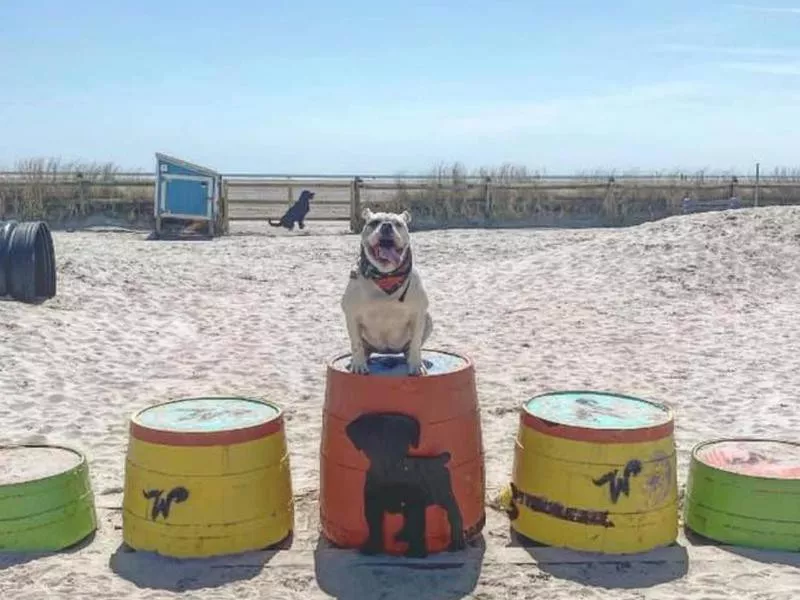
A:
{"points": [[367, 214], [406, 216], [367, 432], [358, 432]]}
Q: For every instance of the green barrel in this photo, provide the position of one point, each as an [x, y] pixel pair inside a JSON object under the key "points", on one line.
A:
{"points": [[46, 500], [745, 492]]}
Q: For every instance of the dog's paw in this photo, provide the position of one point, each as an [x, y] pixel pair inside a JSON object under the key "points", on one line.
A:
{"points": [[359, 366], [415, 369]]}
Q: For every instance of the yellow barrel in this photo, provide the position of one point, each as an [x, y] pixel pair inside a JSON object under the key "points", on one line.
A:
{"points": [[206, 477], [595, 472]]}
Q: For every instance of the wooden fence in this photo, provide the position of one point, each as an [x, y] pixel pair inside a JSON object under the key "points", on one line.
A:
{"points": [[258, 198]]}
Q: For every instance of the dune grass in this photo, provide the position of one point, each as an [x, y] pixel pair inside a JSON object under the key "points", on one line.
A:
{"points": [[512, 194], [51, 189]]}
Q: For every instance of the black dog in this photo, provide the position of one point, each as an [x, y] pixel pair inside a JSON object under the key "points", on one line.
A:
{"points": [[398, 483], [297, 213]]}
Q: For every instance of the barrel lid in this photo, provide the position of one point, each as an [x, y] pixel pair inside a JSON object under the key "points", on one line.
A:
{"points": [[394, 365], [775, 459], [206, 421], [23, 464], [598, 416]]}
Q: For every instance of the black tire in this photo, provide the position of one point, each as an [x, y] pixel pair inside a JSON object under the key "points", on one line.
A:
{"points": [[46, 277], [31, 273], [22, 263], [6, 228]]}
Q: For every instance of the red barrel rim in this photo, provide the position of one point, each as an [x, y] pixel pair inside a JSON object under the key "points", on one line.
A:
{"points": [[209, 438], [599, 435], [468, 363]]}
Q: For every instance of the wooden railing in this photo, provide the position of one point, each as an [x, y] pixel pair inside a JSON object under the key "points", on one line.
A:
{"points": [[252, 197]]}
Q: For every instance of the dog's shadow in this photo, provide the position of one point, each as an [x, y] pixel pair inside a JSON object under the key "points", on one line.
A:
{"points": [[350, 575], [152, 571]]}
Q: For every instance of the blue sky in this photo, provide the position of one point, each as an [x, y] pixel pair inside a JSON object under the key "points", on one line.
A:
{"points": [[388, 87]]}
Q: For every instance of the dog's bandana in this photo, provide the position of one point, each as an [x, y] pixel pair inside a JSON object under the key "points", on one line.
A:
{"points": [[388, 282]]}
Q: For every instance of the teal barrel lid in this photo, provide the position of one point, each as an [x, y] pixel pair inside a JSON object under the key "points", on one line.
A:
{"points": [[207, 421], [394, 365], [22, 464], [753, 457], [207, 414], [597, 410]]}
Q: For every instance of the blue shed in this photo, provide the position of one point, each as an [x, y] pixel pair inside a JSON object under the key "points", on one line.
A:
{"points": [[186, 194]]}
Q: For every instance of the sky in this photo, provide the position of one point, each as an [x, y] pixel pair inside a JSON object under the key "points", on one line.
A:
{"points": [[381, 87]]}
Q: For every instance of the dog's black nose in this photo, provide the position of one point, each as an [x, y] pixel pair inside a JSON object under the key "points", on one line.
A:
{"points": [[386, 228]]}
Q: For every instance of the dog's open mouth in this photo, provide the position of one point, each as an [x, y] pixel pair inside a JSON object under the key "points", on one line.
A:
{"points": [[386, 251]]}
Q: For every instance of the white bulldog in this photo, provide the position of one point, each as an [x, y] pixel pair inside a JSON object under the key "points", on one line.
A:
{"points": [[385, 305]]}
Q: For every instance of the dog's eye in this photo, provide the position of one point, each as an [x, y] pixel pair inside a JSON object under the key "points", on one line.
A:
{"points": [[373, 224]]}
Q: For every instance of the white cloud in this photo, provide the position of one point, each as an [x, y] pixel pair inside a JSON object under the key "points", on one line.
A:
{"points": [[791, 69]]}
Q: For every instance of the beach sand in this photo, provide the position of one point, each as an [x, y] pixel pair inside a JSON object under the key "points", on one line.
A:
{"points": [[700, 312]]}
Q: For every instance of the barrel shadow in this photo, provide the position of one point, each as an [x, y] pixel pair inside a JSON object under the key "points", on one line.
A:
{"points": [[350, 575], [772, 557], [34, 302], [153, 571], [13, 559], [631, 571]]}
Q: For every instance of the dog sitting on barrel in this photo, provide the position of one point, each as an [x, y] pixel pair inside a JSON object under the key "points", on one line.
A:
{"points": [[385, 304], [397, 483]]}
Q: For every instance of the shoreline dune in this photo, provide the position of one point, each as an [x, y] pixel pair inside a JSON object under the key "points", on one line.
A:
{"points": [[698, 312]]}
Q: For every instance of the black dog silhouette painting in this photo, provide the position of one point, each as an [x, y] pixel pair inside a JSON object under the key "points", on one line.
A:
{"points": [[297, 213], [397, 483]]}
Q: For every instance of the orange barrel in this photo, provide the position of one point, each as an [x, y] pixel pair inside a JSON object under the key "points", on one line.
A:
{"points": [[595, 471], [206, 477], [401, 458]]}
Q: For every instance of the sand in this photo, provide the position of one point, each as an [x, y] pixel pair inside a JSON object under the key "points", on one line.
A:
{"points": [[700, 312], [32, 463]]}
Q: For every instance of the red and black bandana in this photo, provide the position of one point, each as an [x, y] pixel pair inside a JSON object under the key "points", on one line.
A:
{"points": [[388, 282]]}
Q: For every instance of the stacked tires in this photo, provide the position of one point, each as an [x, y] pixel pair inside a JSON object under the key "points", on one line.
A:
{"points": [[27, 261]]}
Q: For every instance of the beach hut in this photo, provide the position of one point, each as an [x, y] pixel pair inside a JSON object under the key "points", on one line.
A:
{"points": [[188, 200]]}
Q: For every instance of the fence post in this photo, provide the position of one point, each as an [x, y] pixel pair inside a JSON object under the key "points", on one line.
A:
{"points": [[610, 204], [487, 197], [355, 205], [224, 207], [290, 194], [82, 184], [758, 185]]}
